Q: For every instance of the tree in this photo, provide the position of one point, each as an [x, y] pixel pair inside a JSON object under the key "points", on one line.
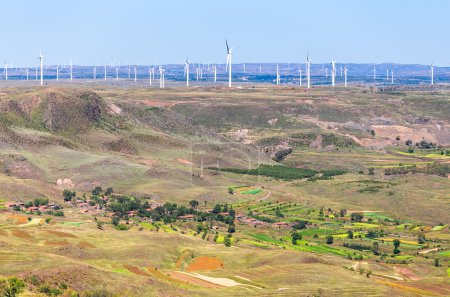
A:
{"points": [[343, 212], [227, 240], [329, 239], [421, 238], [371, 171], [231, 191], [217, 208], [296, 236], [376, 248], [231, 229], [11, 287], [193, 203], [115, 221], [96, 191], [350, 234], [357, 216], [68, 195], [396, 243], [436, 262], [109, 191]]}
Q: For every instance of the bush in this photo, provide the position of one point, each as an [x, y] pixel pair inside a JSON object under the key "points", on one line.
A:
{"points": [[11, 287], [329, 239], [68, 195]]}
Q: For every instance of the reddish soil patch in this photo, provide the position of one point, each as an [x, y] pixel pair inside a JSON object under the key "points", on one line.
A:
{"points": [[21, 234], [136, 270], [61, 234], [185, 162], [406, 272], [88, 245], [19, 219], [193, 280], [3, 233], [57, 243], [205, 263]]}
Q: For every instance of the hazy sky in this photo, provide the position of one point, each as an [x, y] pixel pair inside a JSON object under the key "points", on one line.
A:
{"points": [[166, 31]]}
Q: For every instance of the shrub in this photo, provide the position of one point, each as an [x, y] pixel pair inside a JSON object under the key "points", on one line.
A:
{"points": [[11, 287], [329, 239]]}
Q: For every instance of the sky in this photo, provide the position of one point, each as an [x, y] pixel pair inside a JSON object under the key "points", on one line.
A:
{"points": [[98, 32]]}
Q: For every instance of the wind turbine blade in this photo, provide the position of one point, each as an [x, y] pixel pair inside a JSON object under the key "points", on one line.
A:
{"points": [[228, 48]]}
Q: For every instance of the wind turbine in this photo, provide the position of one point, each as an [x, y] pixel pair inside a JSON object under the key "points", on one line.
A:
{"points": [[41, 60], [432, 73], [27, 72], [95, 72], [387, 74], [244, 67], [150, 76], [105, 72], [71, 66], [117, 73], [278, 75], [333, 72], [374, 73], [229, 54], [187, 72], [392, 76], [161, 77], [215, 73], [308, 71], [135, 74], [6, 70], [197, 72], [345, 75]]}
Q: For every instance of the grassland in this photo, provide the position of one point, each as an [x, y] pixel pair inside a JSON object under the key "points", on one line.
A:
{"points": [[158, 145]]}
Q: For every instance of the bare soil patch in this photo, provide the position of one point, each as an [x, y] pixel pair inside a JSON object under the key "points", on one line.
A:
{"points": [[205, 263], [21, 234], [85, 244], [61, 234], [136, 270], [57, 243], [19, 219], [185, 162]]}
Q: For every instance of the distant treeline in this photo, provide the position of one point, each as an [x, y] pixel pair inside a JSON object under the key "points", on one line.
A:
{"points": [[282, 172]]}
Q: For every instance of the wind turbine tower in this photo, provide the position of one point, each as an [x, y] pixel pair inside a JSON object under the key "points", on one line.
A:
{"points": [[105, 72], [71, 73], [333, 72], [27, 73], [432, 73], [41, 60], [374, 73], [278, 75], [215, 73], [135, 74], [392, 77], [187, 72], [345, 76], [229, 54], [95, 72], [308, 71], [161, 77], [57, 73], [6, 71]]}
